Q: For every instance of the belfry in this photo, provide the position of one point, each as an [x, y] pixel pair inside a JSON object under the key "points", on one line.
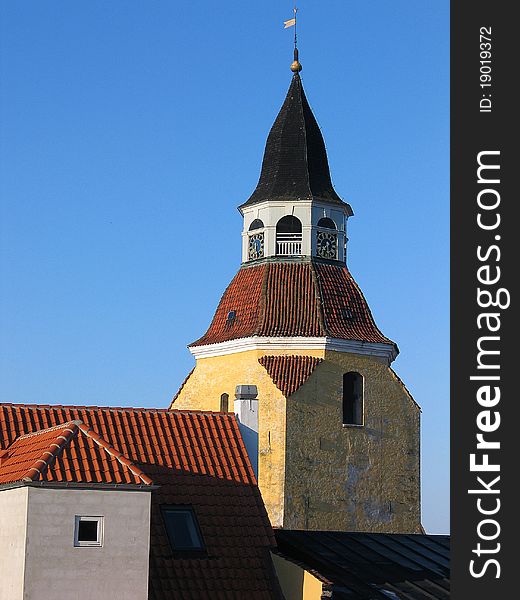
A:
{"points": [[293, 349]]}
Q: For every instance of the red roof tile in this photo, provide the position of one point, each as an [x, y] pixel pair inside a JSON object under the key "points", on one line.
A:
{"points": [[293, 299], [242, 296], [290, 302], [346, 312], [197, 458], [70, 452], [289, 372]]}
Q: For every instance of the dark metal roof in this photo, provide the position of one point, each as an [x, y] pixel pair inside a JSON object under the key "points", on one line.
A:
{"points": [[295, 165], [372, 566]]}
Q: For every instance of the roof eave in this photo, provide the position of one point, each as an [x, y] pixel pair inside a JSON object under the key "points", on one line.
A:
{"points": [[129, 487], [345, 206]]}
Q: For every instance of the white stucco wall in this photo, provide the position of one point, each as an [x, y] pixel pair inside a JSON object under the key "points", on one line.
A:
{"points": [[56, 569], [309, 213], [13, 519]]}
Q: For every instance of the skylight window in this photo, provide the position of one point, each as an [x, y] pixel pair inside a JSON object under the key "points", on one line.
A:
{"points": [[182, 529], [88, 531]]}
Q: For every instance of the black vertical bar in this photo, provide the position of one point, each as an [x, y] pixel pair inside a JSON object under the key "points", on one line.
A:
{"points": [[483, 123]]}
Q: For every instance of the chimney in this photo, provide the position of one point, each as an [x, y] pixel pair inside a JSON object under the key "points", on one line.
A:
{"points": [[246, 409]]}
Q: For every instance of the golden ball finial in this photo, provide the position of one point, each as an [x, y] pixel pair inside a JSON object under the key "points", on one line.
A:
{"points": [[296, 66]]}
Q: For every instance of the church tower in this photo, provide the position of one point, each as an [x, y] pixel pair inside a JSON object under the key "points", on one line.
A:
{"points": [[293, 349]]}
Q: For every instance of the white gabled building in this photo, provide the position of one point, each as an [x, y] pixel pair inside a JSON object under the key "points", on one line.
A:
{"points": [[82, 531]]}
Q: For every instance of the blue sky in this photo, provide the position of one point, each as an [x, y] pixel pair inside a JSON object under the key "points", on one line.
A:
{"points": [[130, 132]]}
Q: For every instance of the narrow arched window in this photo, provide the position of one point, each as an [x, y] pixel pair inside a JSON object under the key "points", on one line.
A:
{"points": [[289, 236], [256, 224], [352, 399], [327, 223], [224, 403]]}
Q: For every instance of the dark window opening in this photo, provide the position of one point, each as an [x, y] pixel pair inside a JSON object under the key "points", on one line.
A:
{"points": [[182, 529], [87, 531], [231, 316], [289, 224], [256, 224], [224, 403], [326, 223], [352, 399], [289, 236], [347, 313]]}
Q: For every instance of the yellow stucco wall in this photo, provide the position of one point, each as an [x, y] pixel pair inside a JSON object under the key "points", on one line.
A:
{"points": [[217, 375], [346, 477], [295, 581], [313, 472]]}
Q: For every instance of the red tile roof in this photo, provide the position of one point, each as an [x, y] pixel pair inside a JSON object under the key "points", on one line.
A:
{"points": [[70, 452], [242, 296], [289, 372], [293, 299], [197, 458], [290, 304], [345, 310]]}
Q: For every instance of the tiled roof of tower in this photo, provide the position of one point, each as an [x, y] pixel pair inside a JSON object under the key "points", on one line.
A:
{"points": [[289, 372], [196, 458], [295, 165], [242, 296], [293, 299], [290, 302], [70, 452], [345, 310]]}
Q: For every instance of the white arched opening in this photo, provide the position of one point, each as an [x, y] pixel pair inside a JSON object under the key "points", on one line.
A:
{"points": [[289, 236]]}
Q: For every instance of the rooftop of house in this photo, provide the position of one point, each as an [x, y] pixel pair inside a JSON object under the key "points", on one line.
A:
{"points": [[186, 457], [70, 452], [372, 566]]}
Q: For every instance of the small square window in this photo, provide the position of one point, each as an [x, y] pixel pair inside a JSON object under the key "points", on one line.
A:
{"points": [[88, 531], [182, 529]]}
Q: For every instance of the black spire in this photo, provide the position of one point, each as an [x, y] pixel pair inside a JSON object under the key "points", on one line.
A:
{"points": [[295, 165]]}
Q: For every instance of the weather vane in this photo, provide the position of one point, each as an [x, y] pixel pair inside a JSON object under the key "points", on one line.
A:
{"points": [[295, 66]]}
